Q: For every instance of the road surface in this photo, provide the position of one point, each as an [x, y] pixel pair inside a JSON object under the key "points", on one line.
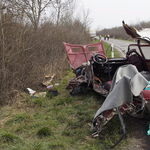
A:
{"points": [[120, 45]]}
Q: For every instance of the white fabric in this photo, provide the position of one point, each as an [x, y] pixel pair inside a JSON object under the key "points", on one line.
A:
{"points": [[126, 82]]}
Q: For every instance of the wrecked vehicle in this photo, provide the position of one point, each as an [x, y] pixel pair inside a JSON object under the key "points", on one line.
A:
{"points": [[125, 82]]}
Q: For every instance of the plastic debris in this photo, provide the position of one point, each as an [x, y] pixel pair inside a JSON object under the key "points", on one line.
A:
{"points": [[35, 93], [148, 87], [40, 94], [56, 84], [48, 87], [148, 132], [31, 92], [48, 80]]}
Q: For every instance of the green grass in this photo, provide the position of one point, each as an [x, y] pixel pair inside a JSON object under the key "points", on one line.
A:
{"points": [[18, 118], [107, 48], [56, 123], [44, 131]]}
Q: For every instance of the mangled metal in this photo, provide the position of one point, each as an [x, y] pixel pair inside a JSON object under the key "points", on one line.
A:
{"points": [[93, 68], [127, 82], [121, 80]]}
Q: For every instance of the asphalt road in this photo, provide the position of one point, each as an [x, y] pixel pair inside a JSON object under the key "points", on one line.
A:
{"points": [[120, 45]]}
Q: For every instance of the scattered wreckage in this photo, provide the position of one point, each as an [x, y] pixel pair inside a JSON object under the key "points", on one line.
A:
{"points": [[125, 82]]}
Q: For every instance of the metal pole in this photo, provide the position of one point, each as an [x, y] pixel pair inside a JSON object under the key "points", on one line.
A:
{"points": [[112, 51]]}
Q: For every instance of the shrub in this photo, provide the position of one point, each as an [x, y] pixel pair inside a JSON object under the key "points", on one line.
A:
{"points": [[45, 131], [8, 137]]}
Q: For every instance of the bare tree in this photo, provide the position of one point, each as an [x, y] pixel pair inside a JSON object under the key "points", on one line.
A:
{"points": [[85, 19], [2, 41], [62, 7], [32, 8], [27, 56]]}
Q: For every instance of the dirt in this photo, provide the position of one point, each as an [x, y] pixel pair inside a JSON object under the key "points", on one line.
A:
{"points": [[137, 134]]}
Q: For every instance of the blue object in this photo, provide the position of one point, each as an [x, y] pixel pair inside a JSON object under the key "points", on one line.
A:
{"points": [[148, 88], [78, 70], [148, 132]]}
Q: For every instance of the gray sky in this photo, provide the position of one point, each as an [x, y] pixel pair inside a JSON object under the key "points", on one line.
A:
{"points": [[110, 13]]}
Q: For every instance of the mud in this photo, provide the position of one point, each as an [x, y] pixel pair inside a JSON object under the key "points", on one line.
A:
{"points": [[137, 133]]}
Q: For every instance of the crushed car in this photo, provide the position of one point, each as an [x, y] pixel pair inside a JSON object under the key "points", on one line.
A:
{"points": [[124, 82]]}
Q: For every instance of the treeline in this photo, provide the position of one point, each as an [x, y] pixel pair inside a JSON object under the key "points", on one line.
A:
{"points": [[119, 32], [32, 33]]}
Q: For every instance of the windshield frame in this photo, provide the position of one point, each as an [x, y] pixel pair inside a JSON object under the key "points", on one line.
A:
{"points": [[142, 49]]}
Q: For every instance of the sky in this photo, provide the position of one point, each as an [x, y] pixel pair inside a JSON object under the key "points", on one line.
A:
{"points": [[110, 13]]}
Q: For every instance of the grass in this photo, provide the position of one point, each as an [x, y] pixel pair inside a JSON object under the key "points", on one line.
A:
{"points": [[107, 48], [56, 122], [60, 122], [44, 131]]}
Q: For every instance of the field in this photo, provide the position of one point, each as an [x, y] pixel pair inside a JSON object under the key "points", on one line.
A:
{"points": [[61, 122]]}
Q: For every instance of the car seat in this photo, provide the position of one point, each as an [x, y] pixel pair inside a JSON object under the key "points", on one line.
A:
{"points": [[136, 60]]}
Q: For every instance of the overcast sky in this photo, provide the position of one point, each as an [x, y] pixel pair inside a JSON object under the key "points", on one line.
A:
{"points": [[110, 13]]}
